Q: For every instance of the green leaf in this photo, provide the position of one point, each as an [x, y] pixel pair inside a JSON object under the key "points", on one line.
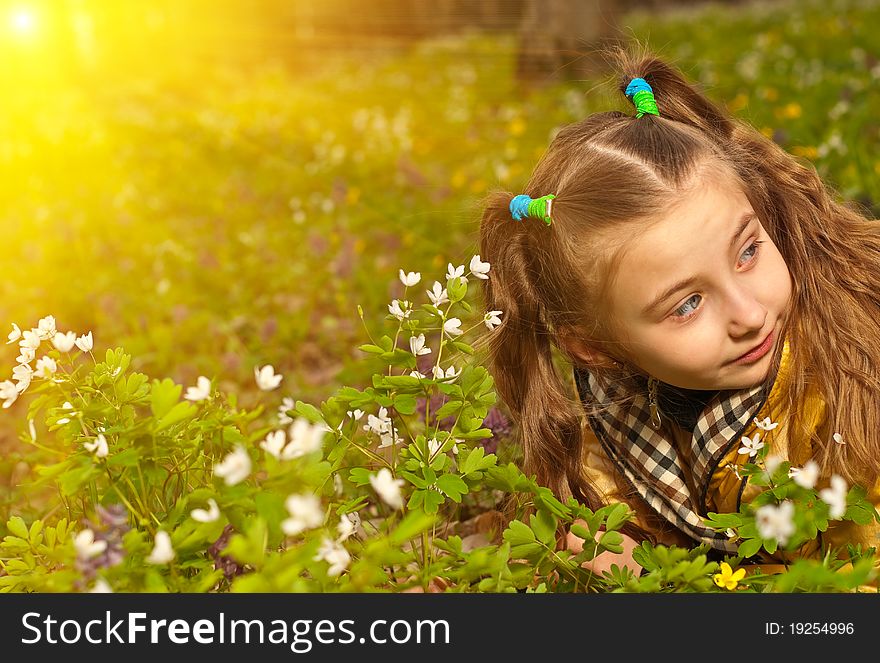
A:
{"points": [[476, 460], [723, 520], [453, 486], [611, 541], [518, 533], [749, 547], [163, 396], [544, 526], [16, 526], [456, 289], [448, 408], [372, 349], [618, 515], [359, 476], [180, 412], [463, 347], [405, 403], [411, 526], [310, 412]]}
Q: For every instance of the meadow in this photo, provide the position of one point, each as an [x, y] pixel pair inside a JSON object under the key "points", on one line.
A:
{"points": [[262, 216]]}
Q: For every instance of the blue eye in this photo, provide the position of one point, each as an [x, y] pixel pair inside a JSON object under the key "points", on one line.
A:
{"points": [[753, 247], [678, 312], [687, 309]]}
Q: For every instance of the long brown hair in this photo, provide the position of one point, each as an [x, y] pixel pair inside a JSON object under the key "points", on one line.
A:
{"points": [[610, 172]]}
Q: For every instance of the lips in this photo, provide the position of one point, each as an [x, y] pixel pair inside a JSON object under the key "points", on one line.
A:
{"points": [[761, 344]]}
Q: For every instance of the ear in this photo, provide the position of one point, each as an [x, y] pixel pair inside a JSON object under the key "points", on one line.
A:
{"points": [[584, 354]]}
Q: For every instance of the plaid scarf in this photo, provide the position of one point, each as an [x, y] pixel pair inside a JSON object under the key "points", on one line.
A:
{"points": [[650, 459]]}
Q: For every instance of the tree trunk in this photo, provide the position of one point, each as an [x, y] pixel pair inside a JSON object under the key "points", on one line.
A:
{"points": [[558, 39]]}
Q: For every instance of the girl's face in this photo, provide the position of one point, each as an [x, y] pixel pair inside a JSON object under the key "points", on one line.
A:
{"points": [[700, 288]]}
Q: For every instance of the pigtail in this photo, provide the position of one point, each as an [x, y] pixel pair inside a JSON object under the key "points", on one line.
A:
{"points": [[520, 355], [677, 99]]}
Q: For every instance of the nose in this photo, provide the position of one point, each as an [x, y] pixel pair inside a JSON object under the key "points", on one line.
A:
{"points": [[747, 314]]}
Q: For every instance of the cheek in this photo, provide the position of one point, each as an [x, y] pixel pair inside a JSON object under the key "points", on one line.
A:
{"points": [[779, 280]]}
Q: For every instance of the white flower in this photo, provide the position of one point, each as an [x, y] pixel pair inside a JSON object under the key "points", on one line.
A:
{"points": [[450, 373], [63, 420], [835, 496], [274, 443], [479, 269], [235, 467], [266, 378], [452, 272], [85, 342], [335, 554], [98, 447], [410, 279], [26, 355], [64, 342], [305, 513], [838, 438], [46, 367], [491, 319], [209, 516], [86, 546], [29, 339], [162, 551], [201, 391], [14, 335], [731, 534], [287, 403], [452, 327], [400, 309], [355, 414], [417, 345], [383, 427], [416, 374], [22, 374], [46, 328], [438, 294], [304, 439], [101, 587], [765, 423], [434, 446], [8, 393], [388, 488], [751, 446], [806, 476], [776, 522], [348, 524]]}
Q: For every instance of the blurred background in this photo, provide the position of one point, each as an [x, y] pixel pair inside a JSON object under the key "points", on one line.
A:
{"points": [[217, 185]]}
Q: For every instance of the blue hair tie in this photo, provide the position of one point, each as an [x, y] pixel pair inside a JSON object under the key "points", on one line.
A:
{"points": [[522, 206], [642, 96]]}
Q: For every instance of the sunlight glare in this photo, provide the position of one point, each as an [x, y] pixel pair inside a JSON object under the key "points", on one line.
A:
{"points": [[22, 21]]}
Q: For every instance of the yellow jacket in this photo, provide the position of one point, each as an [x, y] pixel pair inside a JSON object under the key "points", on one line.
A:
{"points": [[698, 473]]}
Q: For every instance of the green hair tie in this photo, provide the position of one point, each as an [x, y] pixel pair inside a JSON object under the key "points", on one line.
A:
{"points": [[522, 206], [642, 95]]}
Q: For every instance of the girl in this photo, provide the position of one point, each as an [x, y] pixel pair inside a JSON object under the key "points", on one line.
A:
{"points": [[699, 280]]}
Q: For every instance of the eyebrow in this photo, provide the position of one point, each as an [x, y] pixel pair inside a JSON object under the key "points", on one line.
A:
{"points": [[744, 223]]}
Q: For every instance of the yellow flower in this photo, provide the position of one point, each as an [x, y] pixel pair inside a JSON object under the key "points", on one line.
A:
{"points": [[739, 102], [517, 126], [728, 578], [789, 111], [805, 151]]}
